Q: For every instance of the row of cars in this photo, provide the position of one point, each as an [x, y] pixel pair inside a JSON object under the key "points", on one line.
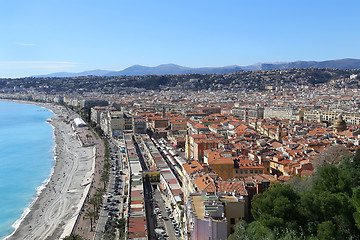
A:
{"points": [[174, 223], [114, 198], [169, 217]]}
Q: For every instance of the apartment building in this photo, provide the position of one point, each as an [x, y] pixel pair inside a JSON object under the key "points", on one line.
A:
{"points": [[213, 216]]}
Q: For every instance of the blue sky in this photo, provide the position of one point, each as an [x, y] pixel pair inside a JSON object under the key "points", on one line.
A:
{"points": [[47, 36]]}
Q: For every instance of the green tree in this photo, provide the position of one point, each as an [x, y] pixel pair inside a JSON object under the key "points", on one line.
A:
{"points": [[356, 202], [326, 231], [357, 158], [95, 202], [327, 179], [121, 226], [73, 236], [277, 207], [104, 178], [90, 215]]}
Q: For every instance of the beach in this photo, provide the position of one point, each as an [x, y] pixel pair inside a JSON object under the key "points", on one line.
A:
{"points": [[53, 214]]}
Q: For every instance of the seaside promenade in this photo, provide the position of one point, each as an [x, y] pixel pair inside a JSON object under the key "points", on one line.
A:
{"points": [[83, 223]]}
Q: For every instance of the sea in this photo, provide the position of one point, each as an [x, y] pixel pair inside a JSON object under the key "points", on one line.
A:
{"points": [[26, 160]]}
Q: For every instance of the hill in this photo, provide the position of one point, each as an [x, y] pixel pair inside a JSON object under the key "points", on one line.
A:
{"points": [[166, 69]]}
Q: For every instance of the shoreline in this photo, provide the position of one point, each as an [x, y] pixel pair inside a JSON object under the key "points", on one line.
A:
{"points": [[57, 202]]}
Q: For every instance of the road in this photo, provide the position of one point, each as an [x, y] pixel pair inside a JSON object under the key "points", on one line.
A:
{"points": [[104, 214], [168, 227]]}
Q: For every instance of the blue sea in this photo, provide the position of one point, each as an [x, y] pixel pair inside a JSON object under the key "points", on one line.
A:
{"points": [[26, 159]]}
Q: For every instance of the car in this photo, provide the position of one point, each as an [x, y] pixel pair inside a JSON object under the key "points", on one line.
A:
{"points": [[177, 232]]}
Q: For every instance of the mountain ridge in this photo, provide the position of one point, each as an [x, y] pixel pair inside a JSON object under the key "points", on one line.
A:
{"points": [[170, 68]]}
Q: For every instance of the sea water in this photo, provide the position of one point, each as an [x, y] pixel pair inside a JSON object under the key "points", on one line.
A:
{"points": [[26, 159]]}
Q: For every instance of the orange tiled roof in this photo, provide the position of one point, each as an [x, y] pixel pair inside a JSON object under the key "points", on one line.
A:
{"points": [[205, 183], [231, 186], [192, 167]]}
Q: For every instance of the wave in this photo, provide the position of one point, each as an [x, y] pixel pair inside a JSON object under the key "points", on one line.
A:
{"points": [[27, 210], [38, 189]]}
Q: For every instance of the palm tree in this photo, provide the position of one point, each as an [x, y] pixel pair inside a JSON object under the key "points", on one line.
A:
{"points": [[73, 236], [90, 215], [99, 192], [104, 178], [93, 201]]}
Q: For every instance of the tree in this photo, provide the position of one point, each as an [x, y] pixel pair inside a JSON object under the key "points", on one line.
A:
{"points": [[323, 206], [90, 215], [277, 207], [121, 226], [357, 157], [73, 236], [327, 179], [95, 203], [356, 202], [326, 231], [104, 178], [332, 156]]}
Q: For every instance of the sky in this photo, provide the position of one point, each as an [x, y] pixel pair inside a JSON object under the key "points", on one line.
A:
{"points": [[46, 36]]}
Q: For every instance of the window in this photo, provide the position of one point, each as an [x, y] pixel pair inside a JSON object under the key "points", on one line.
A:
{"points": [[246, 171], [236, 171], [251, 171], [232, 220], [256, 171], [241, 171]]}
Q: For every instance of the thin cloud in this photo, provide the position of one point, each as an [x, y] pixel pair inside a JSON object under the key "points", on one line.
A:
{"points": [[25, 44], [39, 64]]}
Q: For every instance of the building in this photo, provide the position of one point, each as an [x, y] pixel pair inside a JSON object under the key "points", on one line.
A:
{"points": [[139, 125], [79, 122], [96, 112], [226, 166], [196, 144], [283, 113], [331, 116], [115, 122], [89, 103], [248, 112], [206, 218], [213, 216]]}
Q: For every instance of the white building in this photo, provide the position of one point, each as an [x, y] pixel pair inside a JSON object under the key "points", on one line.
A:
{"points": [[79, 122], [206, 219]]}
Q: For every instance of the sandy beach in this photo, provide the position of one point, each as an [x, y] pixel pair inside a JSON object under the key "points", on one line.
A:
{"points": [[53, 214]]}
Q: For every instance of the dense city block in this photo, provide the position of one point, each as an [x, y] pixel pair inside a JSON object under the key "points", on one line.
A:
{"points": [[246, 155]]}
